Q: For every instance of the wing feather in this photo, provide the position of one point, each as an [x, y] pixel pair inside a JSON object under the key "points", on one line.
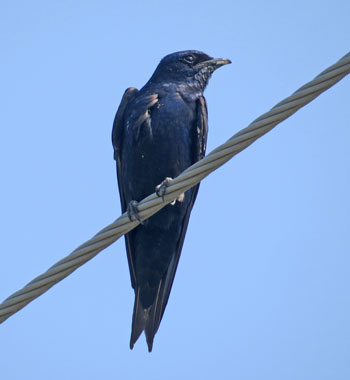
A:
{"points": [[199, 147], [117, 141], [135, 120]]}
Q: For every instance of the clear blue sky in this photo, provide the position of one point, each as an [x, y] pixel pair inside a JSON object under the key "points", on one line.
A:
{"points": [[262, 289]]}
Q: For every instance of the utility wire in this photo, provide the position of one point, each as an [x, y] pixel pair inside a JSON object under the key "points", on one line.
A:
{"points": [[190, 177]]}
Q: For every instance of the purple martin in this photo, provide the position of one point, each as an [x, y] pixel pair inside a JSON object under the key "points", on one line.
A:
{"points": [[158, 132]]}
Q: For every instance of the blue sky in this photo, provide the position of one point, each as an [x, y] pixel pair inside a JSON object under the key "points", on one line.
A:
{"points": [[262, 289]]}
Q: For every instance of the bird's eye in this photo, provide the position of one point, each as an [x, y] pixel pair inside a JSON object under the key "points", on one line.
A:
{"points": [[189, 59]]}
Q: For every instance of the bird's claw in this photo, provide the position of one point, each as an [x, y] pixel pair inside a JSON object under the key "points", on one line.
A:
{"points": [[161, 188], [133, 212]]}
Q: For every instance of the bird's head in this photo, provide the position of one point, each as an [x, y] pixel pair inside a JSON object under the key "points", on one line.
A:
{"points": [[190, 67]]}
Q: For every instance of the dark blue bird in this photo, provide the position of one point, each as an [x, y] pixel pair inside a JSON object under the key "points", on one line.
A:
{"points": [[158, 132]]}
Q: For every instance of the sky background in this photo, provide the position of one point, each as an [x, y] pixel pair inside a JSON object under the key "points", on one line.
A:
{"points": [[262, 288]]}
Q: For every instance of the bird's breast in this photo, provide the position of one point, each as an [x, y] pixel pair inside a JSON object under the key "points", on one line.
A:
{"points": [[163, 147]]}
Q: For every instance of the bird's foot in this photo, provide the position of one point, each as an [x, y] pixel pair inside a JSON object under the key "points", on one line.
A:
{"points": [[161, 188], [133, 212], [181, 197]]}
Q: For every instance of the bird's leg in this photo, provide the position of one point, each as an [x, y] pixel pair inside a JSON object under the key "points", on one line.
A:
{"points": [[133, 212], [161, 190]]}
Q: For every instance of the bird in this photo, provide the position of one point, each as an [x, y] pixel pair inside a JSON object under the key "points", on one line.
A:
{"points": [[158, 132]]}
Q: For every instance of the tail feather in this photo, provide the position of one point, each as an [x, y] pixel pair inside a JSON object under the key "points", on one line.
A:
{"points": [[155, 316], [139, 319], [147, 320]]}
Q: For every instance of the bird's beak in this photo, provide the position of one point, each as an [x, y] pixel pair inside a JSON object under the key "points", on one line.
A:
{"points": [[214, 63], [218, 62]]}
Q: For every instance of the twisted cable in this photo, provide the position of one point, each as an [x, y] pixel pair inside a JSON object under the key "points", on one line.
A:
{"points": [[190, 177]]}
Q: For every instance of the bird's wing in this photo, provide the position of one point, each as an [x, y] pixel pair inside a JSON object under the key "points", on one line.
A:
{"points": [[118, 125], [117, 141], [202, 128], [198, 148], [138, 116]]}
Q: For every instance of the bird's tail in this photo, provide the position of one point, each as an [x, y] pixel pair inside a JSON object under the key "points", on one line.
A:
{"points": [[148, 320]]}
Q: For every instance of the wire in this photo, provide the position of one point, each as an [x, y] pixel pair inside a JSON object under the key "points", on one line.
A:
{"points": [[179, 185]]}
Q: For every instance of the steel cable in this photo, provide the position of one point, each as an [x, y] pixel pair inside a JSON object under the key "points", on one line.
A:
{"points": [[180, 184]]}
